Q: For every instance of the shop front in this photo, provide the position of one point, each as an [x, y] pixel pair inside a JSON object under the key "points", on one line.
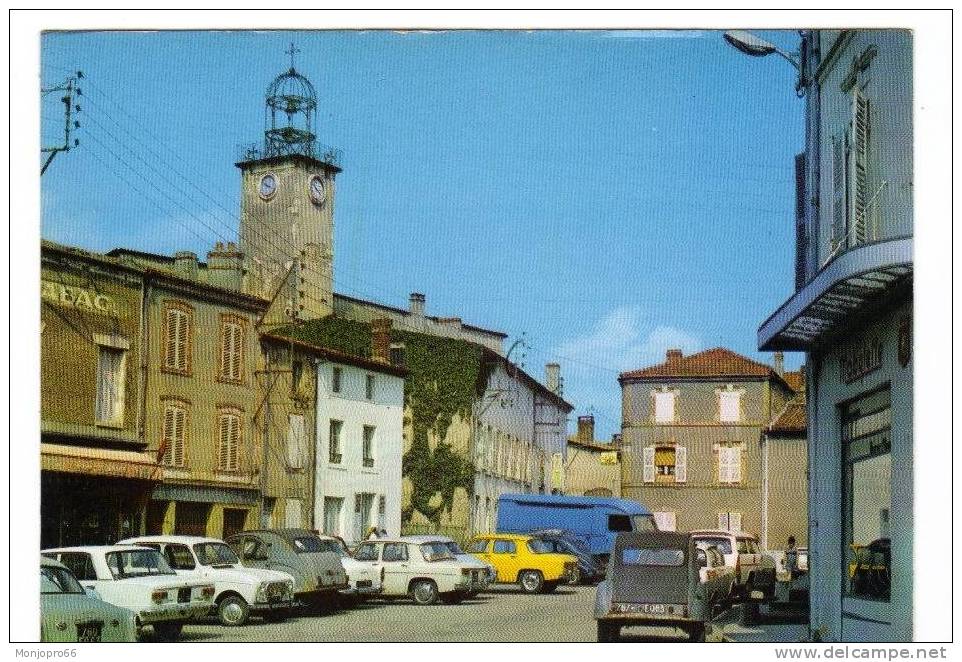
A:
{"points": [[93, 496], [197, 510]]}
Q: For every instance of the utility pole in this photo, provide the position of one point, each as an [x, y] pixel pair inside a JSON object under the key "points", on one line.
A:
{"points": [[70, 89]]}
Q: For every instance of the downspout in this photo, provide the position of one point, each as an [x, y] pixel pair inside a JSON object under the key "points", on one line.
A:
{"points": [[314, 450], [764, 491], [267, 423], [144, 359]]}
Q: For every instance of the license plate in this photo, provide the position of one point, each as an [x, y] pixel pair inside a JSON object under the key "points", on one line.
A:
{"points": [[183, 595], [365, 583], [89, 632]]}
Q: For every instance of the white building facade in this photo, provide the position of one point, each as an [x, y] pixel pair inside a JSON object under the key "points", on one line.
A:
{"points": [[360, 413], [852, 315]]}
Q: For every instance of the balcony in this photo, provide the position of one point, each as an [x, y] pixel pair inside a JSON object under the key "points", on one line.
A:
{"points": [[850, 283]]}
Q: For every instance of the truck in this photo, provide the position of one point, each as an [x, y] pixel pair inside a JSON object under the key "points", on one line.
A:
{"points": [[593, 520]]}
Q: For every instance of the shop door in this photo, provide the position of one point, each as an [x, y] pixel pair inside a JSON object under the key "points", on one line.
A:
{"points": [[155, 517], [235, 520], [191, 518]]}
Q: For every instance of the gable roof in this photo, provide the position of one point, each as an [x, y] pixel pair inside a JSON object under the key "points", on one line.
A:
{"points": [[715, 362], [792, 420], [795, 379]]}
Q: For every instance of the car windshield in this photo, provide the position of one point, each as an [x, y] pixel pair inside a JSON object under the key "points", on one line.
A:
{"points": [[58, 580], [436, 551], [331, 546], [644, 523], [538, 546], [653, 557], [454, 548], [724, 545], [309, 545], [137, 563], [217, 554]]}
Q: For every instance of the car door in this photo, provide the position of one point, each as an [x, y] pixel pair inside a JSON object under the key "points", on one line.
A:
{"points": [[397, 567], [182, 560], [504, 554], [82, 566], [252, 551], [369, 556]]}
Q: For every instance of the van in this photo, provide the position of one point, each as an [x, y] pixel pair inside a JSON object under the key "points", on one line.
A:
{"points": [[593, 520]]}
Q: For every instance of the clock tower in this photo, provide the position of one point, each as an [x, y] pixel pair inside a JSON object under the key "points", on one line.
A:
{"points": [[287, 205]]}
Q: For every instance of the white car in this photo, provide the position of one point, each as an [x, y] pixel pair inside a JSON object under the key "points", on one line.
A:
{"points": [[482, 575], [239, 591], [364, 579], [425, 572], [742, 553], [139, 579]]}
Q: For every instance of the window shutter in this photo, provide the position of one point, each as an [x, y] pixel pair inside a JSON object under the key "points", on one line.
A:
{"points": [[729, 406], [233, 456], [724, 465], [723, 521], [648, 470], [170, 332], [358, 519], [182, 340], [177, 437], [168, 435], [858, 167], [736, 464], [223, 441], [801, 229], [735, 521], [681, 464], [664, 407], [839, 210]]}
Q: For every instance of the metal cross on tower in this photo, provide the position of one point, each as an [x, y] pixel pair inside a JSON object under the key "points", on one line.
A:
{"points": [[292, 51]]}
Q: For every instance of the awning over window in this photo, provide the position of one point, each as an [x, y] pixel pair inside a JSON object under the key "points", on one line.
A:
{"points": [[855, 280], [99, 462]]}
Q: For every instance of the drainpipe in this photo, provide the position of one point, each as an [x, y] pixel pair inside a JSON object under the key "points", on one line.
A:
{"points": [[764, 491], [143, 350], [317, 384], [267, 424]]}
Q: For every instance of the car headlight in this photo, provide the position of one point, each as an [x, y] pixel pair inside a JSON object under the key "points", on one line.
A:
{"points": [[207, 592], [159, 597]]}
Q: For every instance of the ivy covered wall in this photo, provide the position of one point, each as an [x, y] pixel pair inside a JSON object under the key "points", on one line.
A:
{"points": [[445, 378]]}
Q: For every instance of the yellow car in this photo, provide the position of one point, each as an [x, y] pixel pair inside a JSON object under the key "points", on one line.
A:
{"points": [[523, 559]]}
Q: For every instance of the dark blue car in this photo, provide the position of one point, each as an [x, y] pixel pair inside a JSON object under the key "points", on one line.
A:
{"points": [[563, 542]]}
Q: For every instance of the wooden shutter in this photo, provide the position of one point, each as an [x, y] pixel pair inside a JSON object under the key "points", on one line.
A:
{"points": [[839, 197], [729, 406], [222, 441], [736, 464], [723, 521], [168, 436], [858, 168], [648, 467], [170, 338], [734, 521], [681, 464], [229, 441], [110, 362], [233, 457], [801, 229], [664, 407], [295, 443], [175, 423]]}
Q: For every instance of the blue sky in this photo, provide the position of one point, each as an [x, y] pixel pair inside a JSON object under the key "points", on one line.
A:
{"points": [[608, 194]]}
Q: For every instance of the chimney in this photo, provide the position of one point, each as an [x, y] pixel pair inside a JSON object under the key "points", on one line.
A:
{"points": [[185, 264], [381, 339], [673, 355], [586, 429], [778, 363], [225, 268], [552, 377], [417, 304]]}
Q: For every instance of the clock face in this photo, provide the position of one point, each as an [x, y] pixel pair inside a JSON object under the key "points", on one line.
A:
{"points": [[318, 191], [268, 186]]}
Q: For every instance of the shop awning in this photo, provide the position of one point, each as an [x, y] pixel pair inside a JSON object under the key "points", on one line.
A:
{"points": [[852, 282], [99, 462]]}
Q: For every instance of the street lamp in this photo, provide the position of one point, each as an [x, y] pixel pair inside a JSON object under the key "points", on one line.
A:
{"points": [[755, 46]]}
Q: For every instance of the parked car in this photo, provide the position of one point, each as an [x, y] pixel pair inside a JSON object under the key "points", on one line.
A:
{"points": [[426, 572], [318, 573], [68, 614], [239, 591], [527, 561], [139, 579], [754, 571], [660, 578], [363, 580], [593, 520], [485, 574], [589, 571]]}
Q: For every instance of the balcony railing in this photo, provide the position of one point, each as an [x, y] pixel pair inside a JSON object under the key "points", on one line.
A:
{"points": [[864, 227], [323, 153]]}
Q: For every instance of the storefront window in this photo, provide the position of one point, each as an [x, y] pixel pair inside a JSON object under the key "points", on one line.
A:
{"points": [[866, 442]]}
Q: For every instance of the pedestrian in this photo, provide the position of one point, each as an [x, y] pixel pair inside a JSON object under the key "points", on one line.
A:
{"points": [[372, 533], [382, 533], [791, 557]]}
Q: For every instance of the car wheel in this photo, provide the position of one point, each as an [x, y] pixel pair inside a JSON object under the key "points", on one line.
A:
{"points": [[608, 632], [424, 592], [168, 631], [697, 633], [575, 578], [531, 581], [233, 610]]}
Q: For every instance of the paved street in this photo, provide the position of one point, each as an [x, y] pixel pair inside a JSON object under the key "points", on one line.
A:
{"points": [[505, 614]]}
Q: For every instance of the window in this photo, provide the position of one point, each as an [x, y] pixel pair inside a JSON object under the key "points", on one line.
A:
{"points": [[729, 406], [395, 551], [478, 547], [730, 521], [397, 354], [867, 496], [653, 557], [332, 515], [179, 557], [334, 442], [665, 464], [504, 547], [366, 553], [177, 338], [724, 545], [296, 442], [729, 464], [111, 377], [664, 406], [231, 348], [336, 380], [80, 564], [228, 440], [369, 387], [362, 515], [367, 446], [665, 521], [173, 441], [619, 523]]}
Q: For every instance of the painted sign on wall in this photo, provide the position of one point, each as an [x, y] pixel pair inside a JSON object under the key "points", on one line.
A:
{"points": [[80, 298]]}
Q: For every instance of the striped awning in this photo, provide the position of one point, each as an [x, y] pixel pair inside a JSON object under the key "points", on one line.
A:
{"points": [[99, 462]]}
